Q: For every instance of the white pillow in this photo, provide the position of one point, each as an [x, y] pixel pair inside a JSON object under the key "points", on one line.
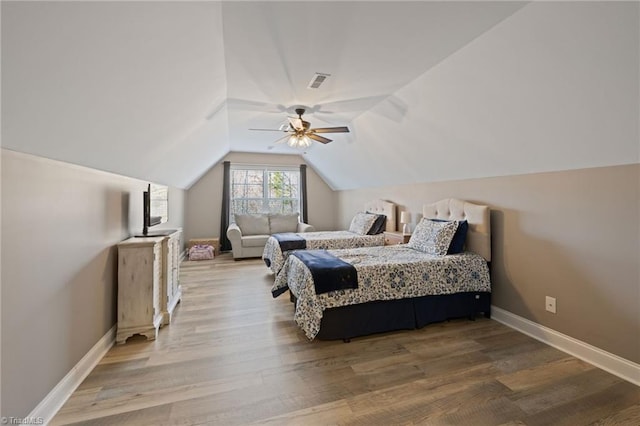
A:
{"points": [[362, 222], [253, 224], [433, 237]]}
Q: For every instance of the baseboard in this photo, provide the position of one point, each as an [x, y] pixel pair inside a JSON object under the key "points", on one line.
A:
{"points": [[50, 405], [607, 361]]}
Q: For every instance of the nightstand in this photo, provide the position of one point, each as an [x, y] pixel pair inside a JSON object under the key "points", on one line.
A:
{"points": [[395, 237]]}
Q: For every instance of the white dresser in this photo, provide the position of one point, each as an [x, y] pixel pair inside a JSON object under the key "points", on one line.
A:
{"points": [[171, 289], [148, 284]]}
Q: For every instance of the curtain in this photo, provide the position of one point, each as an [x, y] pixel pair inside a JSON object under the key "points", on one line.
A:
{"points": [[303, 193], [225, 244]]}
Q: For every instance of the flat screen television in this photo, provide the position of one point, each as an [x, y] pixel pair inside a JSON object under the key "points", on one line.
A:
{"points": [[154, 210]]}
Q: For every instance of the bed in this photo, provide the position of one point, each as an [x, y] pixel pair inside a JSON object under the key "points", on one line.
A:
{"points": [[274, 256], [398, 287]]}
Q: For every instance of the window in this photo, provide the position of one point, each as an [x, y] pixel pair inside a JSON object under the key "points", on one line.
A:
{"points": [[264, 189]]}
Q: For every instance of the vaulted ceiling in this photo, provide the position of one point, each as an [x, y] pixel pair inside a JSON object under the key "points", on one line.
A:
{"points": [[162, 91]]}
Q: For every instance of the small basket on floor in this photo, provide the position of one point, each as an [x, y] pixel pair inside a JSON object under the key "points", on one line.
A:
{"points": [[201, 252]]}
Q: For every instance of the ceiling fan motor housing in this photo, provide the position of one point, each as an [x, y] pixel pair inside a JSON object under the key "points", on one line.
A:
{"points": [[305, 124]]}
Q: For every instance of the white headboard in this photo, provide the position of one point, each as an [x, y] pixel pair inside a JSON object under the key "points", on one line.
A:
{"points": [[477, 216], [383, 207]]}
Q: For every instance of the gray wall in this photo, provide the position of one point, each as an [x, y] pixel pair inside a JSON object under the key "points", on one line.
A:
{"points": [[572, 235], [204, 198], [60, 224]]}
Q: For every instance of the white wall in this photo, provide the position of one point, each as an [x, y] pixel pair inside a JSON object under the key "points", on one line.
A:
{"points": [[122, 86], [60, 225], [553, 87]]}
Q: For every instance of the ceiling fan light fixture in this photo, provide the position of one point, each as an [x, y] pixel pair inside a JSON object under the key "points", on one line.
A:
{"points": [[301, 135], [299, 141]]}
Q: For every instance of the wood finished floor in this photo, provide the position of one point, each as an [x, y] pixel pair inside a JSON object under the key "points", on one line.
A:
{"points": [[233, 356]]}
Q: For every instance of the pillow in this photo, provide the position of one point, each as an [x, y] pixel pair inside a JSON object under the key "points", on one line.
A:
{"points": [[379, 225], [283, 223], [433, 237], [362, 223], [457, 243], [252, 224]]}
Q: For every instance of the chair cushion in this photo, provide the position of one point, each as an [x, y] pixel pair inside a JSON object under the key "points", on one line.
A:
{"points": [[255, 240], [283, 223], [253, 224]]}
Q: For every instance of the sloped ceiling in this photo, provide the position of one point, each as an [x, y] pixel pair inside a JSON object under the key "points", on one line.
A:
{"points": [[162, 91]]}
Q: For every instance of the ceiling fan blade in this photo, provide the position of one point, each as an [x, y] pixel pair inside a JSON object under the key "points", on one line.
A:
{"points": [[342, 129], [282, 139], [320, 139], [296, 123], [269, 130]]}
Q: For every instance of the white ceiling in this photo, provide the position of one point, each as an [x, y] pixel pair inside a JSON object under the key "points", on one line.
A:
{"points": [[162, 91]]}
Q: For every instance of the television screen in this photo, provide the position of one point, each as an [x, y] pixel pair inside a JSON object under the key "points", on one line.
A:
{"points": [[159, 203], [155, 206]]}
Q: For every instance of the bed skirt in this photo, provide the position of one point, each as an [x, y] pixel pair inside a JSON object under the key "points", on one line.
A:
{"points": [[363, 319]]}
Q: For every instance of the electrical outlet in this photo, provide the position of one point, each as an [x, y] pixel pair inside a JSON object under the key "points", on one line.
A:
{"points": [[550, 304]]}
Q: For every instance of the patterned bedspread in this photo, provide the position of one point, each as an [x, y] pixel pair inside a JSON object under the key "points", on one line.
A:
{"points": [[384, 273], [319, 240]]}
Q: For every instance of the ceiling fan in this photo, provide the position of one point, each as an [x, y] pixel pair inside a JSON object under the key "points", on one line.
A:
{"points": [[300, 134]]}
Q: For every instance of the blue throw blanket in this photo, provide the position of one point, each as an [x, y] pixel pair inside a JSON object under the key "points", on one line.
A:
{"points": [[290, 241], [329, 272]]}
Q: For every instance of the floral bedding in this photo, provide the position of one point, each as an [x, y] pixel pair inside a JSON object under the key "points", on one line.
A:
{"points": [[384, 273], [319, 240]]}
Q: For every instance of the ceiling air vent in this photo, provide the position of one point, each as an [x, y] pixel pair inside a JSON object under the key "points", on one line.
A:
{"points": [[317, 80]]}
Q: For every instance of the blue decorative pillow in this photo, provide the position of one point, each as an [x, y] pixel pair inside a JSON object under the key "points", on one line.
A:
{"points": [[459, 238], [433, 237], [379, 225]]}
